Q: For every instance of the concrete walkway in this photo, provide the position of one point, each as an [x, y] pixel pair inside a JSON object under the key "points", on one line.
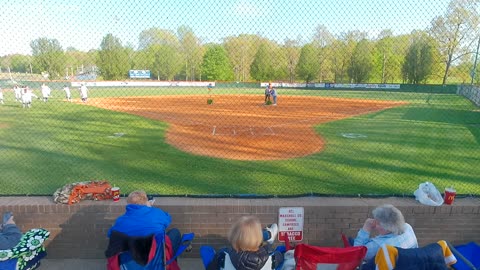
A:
{"points": [[99, 264]]}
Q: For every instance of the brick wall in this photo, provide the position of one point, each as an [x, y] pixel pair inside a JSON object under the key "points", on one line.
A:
{"points": [[79, 231]]}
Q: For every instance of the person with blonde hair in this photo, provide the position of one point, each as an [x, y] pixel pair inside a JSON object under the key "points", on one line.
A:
{"points": [[248, 249], [388, 227]]}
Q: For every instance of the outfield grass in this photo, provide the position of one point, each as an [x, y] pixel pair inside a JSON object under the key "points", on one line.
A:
{"points": [[435, 138]]}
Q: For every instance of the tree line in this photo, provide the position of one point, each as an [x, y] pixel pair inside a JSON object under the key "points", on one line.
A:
{"points": [[442, 53]]}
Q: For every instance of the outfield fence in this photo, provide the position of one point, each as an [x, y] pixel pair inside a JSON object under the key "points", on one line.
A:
{"points": [[240, 98], [471, 92]]}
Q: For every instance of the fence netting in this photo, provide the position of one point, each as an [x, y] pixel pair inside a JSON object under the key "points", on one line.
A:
{"points": [[240, 98]]}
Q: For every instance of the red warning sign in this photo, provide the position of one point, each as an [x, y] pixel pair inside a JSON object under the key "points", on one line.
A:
{"points": [[290, 223]]}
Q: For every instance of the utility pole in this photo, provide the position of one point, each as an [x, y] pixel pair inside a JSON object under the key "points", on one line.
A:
{"points": [[474, 69]]}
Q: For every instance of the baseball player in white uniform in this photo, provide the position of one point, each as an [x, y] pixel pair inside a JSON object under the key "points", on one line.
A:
{"points": [[84, 93], [1, 96], [45, 92], [18, 93], [27, 97], [68, 95]]}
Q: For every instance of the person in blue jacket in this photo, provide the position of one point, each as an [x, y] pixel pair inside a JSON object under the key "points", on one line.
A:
{"points": [[141, 219]]}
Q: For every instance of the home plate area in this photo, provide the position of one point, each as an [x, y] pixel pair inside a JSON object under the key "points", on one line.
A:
{"points": [[242, 131]]}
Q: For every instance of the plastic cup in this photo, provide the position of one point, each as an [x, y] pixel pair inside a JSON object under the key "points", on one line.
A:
{"points": [[116, 194], [449, 195]]}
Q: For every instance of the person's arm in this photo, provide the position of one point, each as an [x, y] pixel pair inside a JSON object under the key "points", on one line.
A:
{"points": [[161, 217], [363, 238]]}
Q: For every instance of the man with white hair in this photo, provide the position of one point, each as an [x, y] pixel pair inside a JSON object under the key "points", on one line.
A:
{"points": [[389, 227]]}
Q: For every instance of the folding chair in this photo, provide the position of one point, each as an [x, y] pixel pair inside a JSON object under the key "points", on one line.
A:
{"points": [[147, 253], [27, 253], [328, 258], [468, 256], [436, 256]]}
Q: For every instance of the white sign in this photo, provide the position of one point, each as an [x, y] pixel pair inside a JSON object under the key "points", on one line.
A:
{"points": [[290, 223], [139, 74], [140, 84]]}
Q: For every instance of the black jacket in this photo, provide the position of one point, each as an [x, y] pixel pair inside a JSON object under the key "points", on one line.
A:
{"points": [[247, 260]]}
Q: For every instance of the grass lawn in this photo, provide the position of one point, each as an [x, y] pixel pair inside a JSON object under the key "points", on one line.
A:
{"points": [[435, 138]]}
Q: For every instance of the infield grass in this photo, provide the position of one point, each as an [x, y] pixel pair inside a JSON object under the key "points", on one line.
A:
{"points": [[436, 138]]}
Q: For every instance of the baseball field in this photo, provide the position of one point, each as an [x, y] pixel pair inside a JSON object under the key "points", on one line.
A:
{"points": [[169, 141]]}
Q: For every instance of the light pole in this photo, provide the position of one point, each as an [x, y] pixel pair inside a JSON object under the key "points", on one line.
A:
{"points": [[474, 69]]}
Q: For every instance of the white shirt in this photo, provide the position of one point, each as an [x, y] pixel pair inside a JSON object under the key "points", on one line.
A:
{"points": [[45, 91], [27, 97], [67, 91], [83, 91]]}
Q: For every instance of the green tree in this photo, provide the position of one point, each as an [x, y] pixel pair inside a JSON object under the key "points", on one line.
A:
{"points": [[323, 40], [241, 52], [113, 59], [157, 36], [382, 57], [18, 63], [78, 61], [168, 61], [361, 64], [192, 52], [48, 56], [292, 53], [342, 49], [262, 68], [308, 66], [419, 59], [216, 66], [456, 32]]}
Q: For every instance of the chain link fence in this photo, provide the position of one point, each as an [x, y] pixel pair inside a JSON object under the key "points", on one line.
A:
{"points": [[240, 98]]}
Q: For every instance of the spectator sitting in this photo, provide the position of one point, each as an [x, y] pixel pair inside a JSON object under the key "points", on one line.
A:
{"points": [[10, 234], [390, 228], [141, 220], [248, 250]]}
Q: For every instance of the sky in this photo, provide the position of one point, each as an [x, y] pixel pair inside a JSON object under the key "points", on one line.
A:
{"points": [[83, 23]]}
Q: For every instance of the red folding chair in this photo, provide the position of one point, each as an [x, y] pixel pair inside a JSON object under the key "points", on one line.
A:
{"points": [[345, 241], [315, 258]]}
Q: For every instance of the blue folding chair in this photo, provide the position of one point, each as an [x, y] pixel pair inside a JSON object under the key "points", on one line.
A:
{"points": [[468, 256], [156, 251]]}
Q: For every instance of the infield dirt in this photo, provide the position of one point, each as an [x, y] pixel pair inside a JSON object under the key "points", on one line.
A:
{"points": [[241, 127]]}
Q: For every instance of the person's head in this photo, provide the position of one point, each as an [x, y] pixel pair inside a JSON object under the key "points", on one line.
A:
{"points": [[246, 234], [138, 197], [389, 219]]}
